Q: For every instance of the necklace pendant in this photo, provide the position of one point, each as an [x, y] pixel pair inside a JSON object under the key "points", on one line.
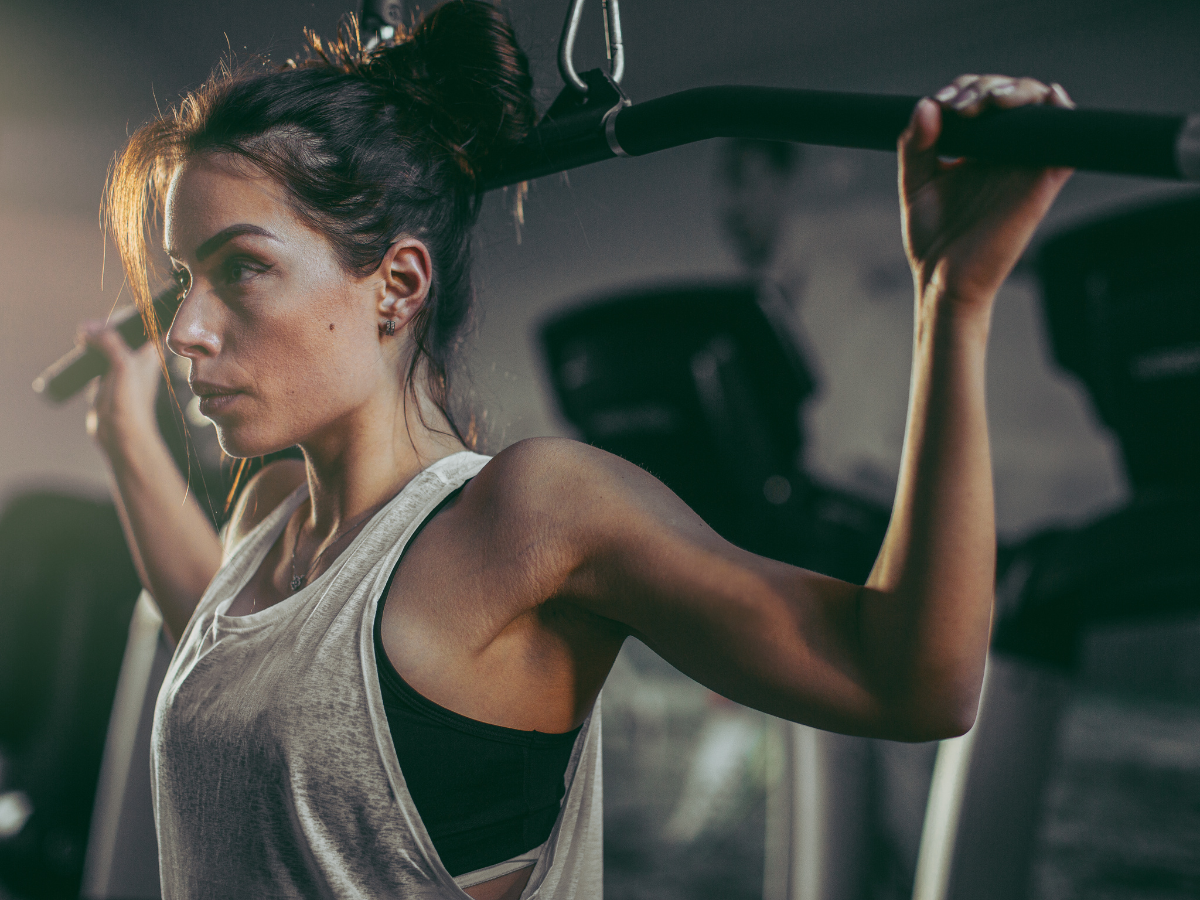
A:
{"points": [[297, 582]]}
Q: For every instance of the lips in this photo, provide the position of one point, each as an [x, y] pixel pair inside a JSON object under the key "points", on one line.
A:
{"points": [[214, 398]]}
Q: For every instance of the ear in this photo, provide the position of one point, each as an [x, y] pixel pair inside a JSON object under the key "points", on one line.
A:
{"points": [[406, 273]]}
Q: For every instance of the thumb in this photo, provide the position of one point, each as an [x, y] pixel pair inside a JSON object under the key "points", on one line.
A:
{"points": [[916, 147]]}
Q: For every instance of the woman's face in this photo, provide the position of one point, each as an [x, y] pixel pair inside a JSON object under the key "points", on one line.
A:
{"points": [[283, 343]]}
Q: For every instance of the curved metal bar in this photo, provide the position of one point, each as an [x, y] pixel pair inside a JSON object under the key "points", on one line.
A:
{"points": [[566, 48], [1127, 143]]}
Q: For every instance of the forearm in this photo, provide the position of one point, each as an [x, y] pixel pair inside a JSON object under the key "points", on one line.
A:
{"points": [[925, 613], [174, 545]]}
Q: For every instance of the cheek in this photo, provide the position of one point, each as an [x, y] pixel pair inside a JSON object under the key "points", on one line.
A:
{"points": [[318, 362], [303, 379], [310, 350]]}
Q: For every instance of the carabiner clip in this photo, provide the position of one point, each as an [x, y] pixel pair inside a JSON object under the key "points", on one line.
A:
{"points": [[614, 48]]}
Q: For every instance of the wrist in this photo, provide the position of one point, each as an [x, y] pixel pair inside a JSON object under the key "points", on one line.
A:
{"points": [[943, 284], [951, 315]]}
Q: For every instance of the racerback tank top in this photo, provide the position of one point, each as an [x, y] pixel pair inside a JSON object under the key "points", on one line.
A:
{"points": [[274, 771]]}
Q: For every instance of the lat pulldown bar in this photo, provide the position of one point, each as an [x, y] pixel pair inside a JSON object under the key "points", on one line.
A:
{"points": [[602, 124], [592, 120]]}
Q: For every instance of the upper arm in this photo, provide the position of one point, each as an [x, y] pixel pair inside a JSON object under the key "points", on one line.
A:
{"points": [[262, 494], [764, 633]]}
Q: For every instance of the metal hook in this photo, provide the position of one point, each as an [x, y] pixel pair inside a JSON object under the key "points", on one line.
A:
{"points": [[612, 43]]}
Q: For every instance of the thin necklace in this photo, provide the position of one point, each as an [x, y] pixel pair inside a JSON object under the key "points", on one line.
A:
{"points": [[299, 581]]}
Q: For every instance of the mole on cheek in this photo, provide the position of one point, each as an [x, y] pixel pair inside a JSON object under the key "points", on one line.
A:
{"points": [[331, 326]]}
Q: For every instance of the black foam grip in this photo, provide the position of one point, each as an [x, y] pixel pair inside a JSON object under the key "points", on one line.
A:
{"points": [[1098, 140], [71, 372]]}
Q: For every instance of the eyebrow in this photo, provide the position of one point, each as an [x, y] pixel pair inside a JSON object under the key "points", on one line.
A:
{"points": [[222, 237]]}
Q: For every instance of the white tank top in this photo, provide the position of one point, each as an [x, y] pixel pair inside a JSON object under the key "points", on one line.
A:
{"points": [[274, 771]]}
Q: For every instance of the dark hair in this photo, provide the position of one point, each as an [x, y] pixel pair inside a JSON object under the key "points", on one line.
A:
{"points": [[368, 144]]}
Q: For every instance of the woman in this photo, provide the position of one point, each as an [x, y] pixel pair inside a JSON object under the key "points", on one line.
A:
{"points": [[386, 670]]}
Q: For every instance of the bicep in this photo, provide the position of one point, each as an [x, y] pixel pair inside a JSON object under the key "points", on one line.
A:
{"points": [[763, 633]]}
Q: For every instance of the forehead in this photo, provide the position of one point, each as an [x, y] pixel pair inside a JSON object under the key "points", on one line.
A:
{"points": [[210, 193]]}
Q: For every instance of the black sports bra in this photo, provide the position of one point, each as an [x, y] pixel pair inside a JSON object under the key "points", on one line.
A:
{"points": [[485, 793]]}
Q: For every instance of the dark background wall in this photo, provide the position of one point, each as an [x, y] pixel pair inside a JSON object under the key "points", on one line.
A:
{"points": [[75, 77]]}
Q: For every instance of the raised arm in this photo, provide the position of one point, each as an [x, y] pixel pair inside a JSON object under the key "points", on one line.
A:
{"points": [[926, 612], [927, 609], [902, 656], [174, 545]]}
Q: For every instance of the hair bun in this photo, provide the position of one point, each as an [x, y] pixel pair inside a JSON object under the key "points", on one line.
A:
{"points": [[462, 64]]}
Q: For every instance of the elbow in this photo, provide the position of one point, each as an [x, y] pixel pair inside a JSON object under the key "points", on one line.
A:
{"points": [[951, 715], [956, 722], [942, 701], [934, 728]]}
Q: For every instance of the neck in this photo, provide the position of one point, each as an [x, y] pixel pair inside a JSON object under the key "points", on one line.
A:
{"points": [[361, 462]]}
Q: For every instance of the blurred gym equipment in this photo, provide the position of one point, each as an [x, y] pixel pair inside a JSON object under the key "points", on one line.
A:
{"points": [[68, 590], [699, 386]]}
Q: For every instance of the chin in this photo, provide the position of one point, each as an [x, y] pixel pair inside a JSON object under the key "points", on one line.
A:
{"points": [[240, 442]]}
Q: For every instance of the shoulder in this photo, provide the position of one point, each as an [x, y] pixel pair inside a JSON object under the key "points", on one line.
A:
{"points": [[568, 496], [269, 487], [548, 455], [548, 475], [562, 521]]}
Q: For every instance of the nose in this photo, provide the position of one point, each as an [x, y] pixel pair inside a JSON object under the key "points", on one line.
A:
{"points": [[193, 333]]}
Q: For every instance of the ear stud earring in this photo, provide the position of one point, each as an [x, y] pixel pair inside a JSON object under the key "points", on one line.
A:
{"points": [[388, 327]]}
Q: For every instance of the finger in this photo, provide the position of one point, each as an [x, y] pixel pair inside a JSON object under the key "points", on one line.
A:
{"points": [[962, 82], [1013, 92], [962, 86], [1060, 97], [998, 90], [988, 85], [918, 156]]}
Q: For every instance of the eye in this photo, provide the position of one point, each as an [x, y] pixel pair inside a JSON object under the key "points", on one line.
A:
{"points": [[183, 278], [240, 269]]}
